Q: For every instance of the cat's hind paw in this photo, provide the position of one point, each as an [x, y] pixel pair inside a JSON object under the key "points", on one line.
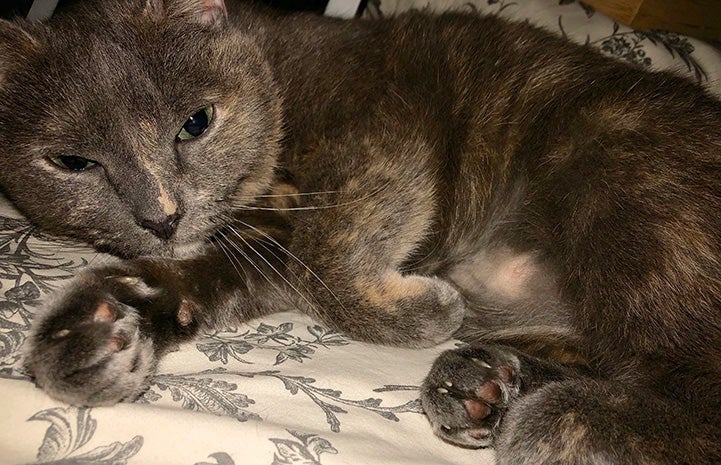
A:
{"points": [[468, 391]]}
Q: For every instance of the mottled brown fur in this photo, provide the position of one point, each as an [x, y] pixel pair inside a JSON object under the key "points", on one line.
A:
{"points": [[437, 169]]}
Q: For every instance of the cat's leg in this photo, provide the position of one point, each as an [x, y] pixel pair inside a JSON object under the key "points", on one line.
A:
{"points": [[601, 422], [349, 254], [535, 412], [380, 304]]}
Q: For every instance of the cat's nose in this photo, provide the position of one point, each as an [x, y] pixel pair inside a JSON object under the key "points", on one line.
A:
{"points": [[163, 229]]}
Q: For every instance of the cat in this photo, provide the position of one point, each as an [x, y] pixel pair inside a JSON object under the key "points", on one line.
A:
{"points": [[402, 180]]}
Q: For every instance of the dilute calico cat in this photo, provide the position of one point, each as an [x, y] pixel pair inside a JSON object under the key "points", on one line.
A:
{"points": [[402, 180]]}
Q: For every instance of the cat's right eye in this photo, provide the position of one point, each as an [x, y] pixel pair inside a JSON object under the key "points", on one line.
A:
{"points": [[196, 124], [72, 162]]}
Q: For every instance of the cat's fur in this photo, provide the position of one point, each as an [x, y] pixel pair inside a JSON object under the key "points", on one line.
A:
{"points": [[390, 178]]}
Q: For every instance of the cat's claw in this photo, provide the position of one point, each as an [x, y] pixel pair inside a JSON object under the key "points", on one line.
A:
{"points": [[467, 393]]}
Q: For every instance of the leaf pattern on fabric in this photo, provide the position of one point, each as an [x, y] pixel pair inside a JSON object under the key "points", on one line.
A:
{"points": [[627, 46], [72, 428], [330, 400], [223, 346], [29, 255], [30, 268], [306, 451], [10, 343], [590, 11], [206, 392], [221, 458], [500, 4], [678, 46], [202, 393]]}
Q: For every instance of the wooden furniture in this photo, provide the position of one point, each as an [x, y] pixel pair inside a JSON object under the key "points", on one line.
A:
{"points": [[700, 18]]}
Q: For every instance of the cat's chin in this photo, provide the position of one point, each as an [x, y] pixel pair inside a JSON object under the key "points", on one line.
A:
{"points": [[188, 250], [181, 251]]}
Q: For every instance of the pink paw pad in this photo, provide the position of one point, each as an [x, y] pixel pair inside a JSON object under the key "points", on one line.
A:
{"points": [[506, 373], [477, 410], [489, 391], [105, 313], [479, 433], [116, 343], [185, 313]]}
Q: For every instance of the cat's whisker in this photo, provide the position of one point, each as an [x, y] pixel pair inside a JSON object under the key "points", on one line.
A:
{"points": [[270, 265], [260, 271], [290, 254], [231, 258], [321, 207], [316, 207], [266, 246], [298, 194], [235, 261]]}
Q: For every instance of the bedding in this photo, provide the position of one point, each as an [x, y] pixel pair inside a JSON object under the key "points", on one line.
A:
{"points": [[278, 390]]}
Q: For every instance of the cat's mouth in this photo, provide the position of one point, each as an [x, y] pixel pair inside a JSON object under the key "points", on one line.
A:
{"points": [[146, 245]]}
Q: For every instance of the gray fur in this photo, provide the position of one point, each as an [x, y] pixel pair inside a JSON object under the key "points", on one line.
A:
{"points": [[400, 180]]}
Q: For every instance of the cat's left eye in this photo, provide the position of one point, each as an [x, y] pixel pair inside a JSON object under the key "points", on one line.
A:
{"points": [[72, 162], [196, 124]]}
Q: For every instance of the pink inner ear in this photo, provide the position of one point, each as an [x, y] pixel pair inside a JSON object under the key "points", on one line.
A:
{"points": [[214, 11]]}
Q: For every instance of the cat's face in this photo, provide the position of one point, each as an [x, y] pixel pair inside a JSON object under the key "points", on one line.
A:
{"points": [[139, 130]]}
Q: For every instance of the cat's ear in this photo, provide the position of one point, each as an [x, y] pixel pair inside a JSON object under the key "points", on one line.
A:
{"points": [[16, 43], [208, 12]]}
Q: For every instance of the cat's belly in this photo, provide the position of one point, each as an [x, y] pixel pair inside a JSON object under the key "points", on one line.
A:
{"points": [[511, 294], [501, 274]]}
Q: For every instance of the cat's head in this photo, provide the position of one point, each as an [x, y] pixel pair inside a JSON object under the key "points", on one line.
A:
{"points": [[135, 126]]}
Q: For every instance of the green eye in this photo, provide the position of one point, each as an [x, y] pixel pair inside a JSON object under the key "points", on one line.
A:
{"points": [[72, 162], [196, 124]]}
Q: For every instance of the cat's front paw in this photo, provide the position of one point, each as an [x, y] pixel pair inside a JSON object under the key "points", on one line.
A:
{"points": [[468, 391], [95, 344], [446, 309]]}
